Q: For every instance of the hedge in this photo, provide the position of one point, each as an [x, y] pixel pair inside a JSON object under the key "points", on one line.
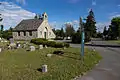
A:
{"points": [[44, 42]]}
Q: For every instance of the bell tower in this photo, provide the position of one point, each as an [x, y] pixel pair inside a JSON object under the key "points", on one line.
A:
{"points": [[45, 16]]}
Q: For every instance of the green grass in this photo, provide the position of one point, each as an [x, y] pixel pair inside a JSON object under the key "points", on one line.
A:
{"points": [[115, 41], [22, 65], [3, 43]]}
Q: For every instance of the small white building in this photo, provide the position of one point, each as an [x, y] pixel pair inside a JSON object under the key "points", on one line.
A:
{"points": [[33, 28]]}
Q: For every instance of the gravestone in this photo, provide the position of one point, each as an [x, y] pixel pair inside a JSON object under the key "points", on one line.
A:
{"points": [[18, 45], [40, 46], [12, 44], [5, 41], [11, 40], [0, 49], [32, 48], [64, 47], [44, 68], [2, 41], [46, 46], [49, 55], [24, 45]]}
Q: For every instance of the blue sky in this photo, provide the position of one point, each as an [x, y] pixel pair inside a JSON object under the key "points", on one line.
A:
{"points": [[60, 11]]}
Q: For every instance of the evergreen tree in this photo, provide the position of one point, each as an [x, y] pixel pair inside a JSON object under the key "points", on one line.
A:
{"points": [[69, 30], [90, 28], [105, 32], [115, 24], [62, 33], [8, 33]]}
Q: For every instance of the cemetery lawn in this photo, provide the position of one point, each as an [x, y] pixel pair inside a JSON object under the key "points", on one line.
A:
{"points": [[22, 65], [115, 41]]}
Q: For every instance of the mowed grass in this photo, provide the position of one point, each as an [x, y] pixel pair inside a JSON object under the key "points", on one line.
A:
{"points": [[22, 65], [115, 41]]}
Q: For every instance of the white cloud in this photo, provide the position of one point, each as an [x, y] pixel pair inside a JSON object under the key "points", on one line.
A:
{"points": [[117, 15], [73, 1], [113, 13], [53, 24], [93, 2], [21, 2], [76, 22], [13, 14], [100, 26], [118, 5]]}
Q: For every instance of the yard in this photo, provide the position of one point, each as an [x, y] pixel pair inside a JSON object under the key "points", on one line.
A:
{"points": [[20, 64]]}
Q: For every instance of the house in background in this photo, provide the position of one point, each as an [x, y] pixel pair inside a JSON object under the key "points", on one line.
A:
{"points": [[33, 28]]}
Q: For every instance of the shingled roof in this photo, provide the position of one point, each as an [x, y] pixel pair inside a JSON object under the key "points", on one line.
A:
{"points": [[30, 24]]}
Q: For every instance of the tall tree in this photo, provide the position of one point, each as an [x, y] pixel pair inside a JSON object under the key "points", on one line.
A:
{"points": [[62, 33], [90, 28], [105, 32], [115, 26], [8, 33], [57, 32], [69, 30], [53, 30]]}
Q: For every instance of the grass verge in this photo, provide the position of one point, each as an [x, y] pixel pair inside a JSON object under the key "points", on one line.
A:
{"points": [[22, 65], [115, 41]]}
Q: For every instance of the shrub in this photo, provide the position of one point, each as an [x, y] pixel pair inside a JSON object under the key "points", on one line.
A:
{"points": [[49, 43], [59, 45], [39, 41], [66, 45], [58, 38], [76, 37]]}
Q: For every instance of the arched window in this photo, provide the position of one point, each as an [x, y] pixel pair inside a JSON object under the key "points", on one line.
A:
{"points": [[30, 33], [18, 33], [24, 33]]}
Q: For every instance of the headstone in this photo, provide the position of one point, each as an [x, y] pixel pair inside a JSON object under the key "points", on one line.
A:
{"points": [[64, 47], [44, 68], [12, 44], [9, 47], [24, 45], [11, 40], [0, 38], [18, 45], [5, 41], [0, 49], [2, 41], [93, 49], [40, 46], [49, 55], [46, 46], [32, 48]]}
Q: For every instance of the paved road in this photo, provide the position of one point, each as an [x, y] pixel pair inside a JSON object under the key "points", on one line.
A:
{"points": [[109, 67]]}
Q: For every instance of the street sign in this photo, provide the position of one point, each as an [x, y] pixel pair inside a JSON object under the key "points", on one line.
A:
{"points": [[82, 37]]}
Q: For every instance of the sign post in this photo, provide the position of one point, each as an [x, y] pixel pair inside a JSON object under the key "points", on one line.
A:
{"points": [[82, 37]]}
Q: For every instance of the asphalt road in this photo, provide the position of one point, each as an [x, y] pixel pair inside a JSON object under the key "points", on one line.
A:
{"points": [[109, 67]]}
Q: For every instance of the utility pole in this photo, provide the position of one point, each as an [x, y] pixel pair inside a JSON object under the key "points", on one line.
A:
{"points": [[82, 37]]}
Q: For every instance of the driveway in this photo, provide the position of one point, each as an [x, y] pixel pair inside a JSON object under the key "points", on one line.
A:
{"points": [[109, 67]]}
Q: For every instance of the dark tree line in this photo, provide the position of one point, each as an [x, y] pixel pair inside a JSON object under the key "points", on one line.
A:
{"points": [[68, 31], [89, 28], [113, 31]]}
